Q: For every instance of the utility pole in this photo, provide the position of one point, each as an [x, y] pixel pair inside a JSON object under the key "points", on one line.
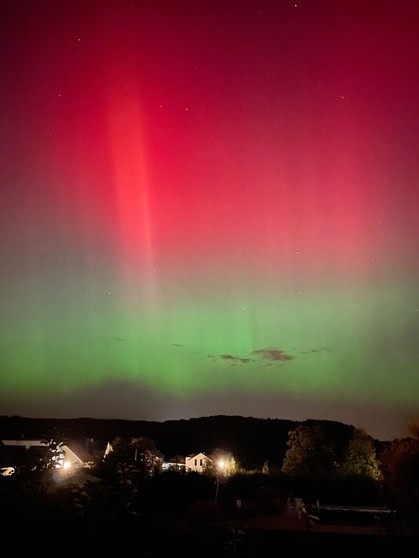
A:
{"points": [[216, 490]]}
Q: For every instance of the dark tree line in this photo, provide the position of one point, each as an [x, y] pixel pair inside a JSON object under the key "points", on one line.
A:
{"points": [[253, 441]]}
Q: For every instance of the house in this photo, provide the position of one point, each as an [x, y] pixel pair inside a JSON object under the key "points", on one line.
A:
{"points": [[18, 453], [75, 456], [22, 453], [198, 462]]}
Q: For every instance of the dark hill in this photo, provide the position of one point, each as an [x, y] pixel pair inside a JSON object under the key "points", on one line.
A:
{"points": [[252, 441]]}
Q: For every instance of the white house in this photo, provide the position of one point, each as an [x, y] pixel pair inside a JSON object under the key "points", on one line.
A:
{"points": [[198, 462]]}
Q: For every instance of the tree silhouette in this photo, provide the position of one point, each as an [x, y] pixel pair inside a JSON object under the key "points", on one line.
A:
{"points": [[309, 453]]}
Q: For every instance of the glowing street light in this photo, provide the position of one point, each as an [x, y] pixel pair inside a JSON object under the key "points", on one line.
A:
{"points": [[220, 470]]}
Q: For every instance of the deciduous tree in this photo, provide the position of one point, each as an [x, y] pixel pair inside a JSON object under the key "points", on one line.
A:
{"points": [[359, 457], [309, 453], [400, 465]]}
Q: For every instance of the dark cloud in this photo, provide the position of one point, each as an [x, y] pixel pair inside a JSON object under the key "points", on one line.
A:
{"points": [[269, 354], [321, 350], [272, 354], [243, 360]]}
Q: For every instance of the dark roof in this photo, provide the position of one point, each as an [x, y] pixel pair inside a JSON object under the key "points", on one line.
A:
{"points": [[20, 456]]}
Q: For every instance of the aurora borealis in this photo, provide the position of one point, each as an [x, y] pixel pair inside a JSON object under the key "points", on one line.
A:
{"points": [[210, 208]]}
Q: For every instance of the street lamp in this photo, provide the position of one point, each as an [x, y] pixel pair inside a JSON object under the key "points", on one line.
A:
{"points": [[220, 470]]}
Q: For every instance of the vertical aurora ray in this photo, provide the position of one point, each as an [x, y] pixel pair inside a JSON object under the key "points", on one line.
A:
{"points": [[130, 179]]}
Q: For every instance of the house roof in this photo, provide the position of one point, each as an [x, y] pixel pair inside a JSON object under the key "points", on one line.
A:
{"points": [[20, 453], [30, 452], [202, 454], [79, 451], [25, 443]]}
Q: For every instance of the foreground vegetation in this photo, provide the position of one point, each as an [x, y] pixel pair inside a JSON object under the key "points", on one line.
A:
{"points": [[126, 497]]}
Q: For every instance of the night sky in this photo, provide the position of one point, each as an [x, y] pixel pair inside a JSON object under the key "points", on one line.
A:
{"points": [[210, 207]]}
